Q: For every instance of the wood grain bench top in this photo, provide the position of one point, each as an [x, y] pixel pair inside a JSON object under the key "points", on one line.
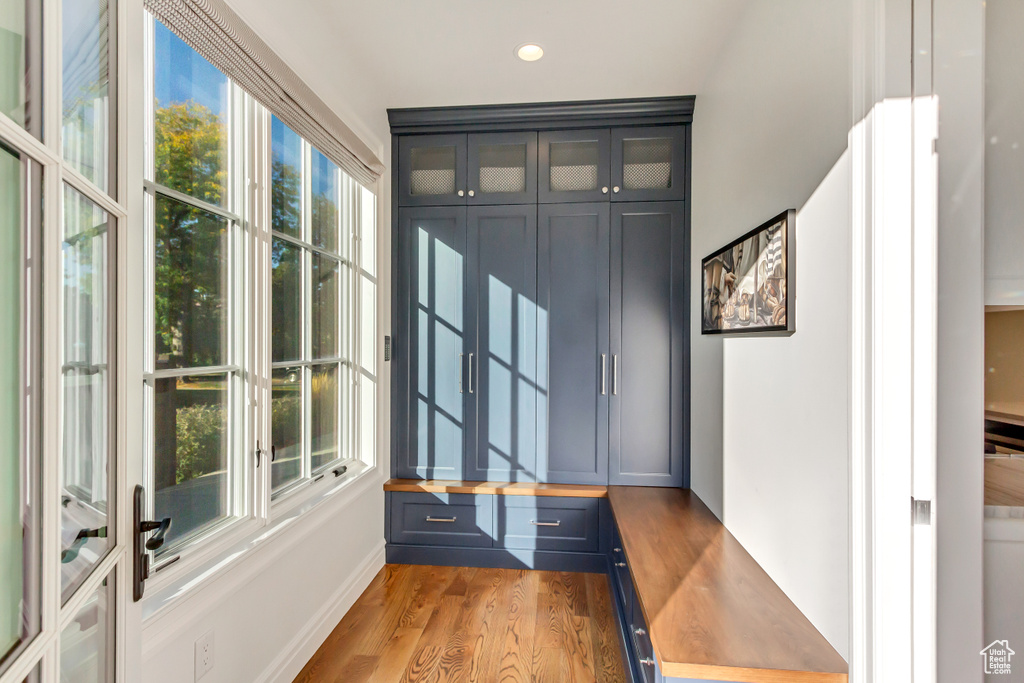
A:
{"points": [[496, 488], [712, 612]]}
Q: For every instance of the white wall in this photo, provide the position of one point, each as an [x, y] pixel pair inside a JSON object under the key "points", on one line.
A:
{"points": [[1004, 155], [770, 415], [1004, 590], [959, 78], [271, 611], [1004, 285]]}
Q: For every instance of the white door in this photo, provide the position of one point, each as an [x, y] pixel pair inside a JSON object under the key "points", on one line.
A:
{"points": [[65, 539]]}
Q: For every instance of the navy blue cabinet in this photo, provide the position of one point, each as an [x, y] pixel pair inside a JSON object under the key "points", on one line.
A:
{"points": [[649, 163], [649, 303], [433, 170], [535, 523], [574, 166], [502, 319], [459, 170], [432, 365], [540, 292], [442, 519], [573, 354], [502, 168]]}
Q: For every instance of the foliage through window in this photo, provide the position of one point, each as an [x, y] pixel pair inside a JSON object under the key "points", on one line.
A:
{"points": [[206, 283]]}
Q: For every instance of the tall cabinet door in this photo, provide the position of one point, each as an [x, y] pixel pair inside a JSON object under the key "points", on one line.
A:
{"points": [[649, 253], [573, 354], [432, 170], [502, 369], [432, 362]]}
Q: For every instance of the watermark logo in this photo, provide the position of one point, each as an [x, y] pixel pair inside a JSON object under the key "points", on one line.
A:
{"points": [[997, 657]]}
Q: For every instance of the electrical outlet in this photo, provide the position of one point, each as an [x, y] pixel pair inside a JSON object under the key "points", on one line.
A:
{"points": [[204, 654]]}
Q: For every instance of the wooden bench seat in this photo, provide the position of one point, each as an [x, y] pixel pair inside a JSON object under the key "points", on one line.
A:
{"points": [[711, 611]]}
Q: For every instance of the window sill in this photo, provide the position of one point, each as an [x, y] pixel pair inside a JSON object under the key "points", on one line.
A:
{"points": [[162, 607]]}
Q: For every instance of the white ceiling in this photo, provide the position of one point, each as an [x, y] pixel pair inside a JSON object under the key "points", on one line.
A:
{"points": [[365, 56]]}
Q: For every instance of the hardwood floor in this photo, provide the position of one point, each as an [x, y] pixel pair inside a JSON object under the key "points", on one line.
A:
{"points": [[1004, 481], [436, 624]]}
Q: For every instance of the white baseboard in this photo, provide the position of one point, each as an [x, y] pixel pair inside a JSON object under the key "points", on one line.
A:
{"points": [[289, 662]]}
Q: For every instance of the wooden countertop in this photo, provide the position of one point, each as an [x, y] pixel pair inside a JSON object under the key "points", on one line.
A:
{"points": [[496, 488], [712, 612]]}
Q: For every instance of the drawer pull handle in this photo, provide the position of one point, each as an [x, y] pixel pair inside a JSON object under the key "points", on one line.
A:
{"points": [[647, 661], [639, 631], [617, 550], [620, 564], [555, 523], [440, 519]]}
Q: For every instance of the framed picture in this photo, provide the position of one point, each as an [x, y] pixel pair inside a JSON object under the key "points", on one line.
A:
{"points": [[749, 285]]}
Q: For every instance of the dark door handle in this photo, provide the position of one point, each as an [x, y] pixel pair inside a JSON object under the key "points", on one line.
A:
{"points": [[273, 453], [141, 527], [161, 528]]}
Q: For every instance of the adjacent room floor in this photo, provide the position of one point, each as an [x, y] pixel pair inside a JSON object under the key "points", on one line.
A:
{"points": [[418, 623]]}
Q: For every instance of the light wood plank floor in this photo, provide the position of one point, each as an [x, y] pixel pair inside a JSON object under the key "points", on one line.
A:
{"points": [[483, 625], [1004, 481]]}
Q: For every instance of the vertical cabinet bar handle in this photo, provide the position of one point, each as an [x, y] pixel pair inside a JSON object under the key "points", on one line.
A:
{"points": [[460, 372], [470, 377], [604, 358], [615, 375]]}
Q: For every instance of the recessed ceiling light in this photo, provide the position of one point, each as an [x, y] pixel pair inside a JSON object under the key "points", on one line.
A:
{"points": [[529, 52]]}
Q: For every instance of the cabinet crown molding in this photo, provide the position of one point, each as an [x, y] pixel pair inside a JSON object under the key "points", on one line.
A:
{"points": [[647, 111]]}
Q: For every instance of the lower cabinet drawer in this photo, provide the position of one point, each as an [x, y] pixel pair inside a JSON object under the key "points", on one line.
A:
{"points": [[642, 642], [441, 519], [537, 523]]}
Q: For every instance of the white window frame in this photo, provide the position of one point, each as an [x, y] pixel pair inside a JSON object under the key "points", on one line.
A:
{"points": [[189, 565], [242, 491], [43, 651], [348, 203]]}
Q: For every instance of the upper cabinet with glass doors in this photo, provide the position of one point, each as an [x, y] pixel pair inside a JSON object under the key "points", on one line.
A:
{"points": [[473, 169], [620, 165]]}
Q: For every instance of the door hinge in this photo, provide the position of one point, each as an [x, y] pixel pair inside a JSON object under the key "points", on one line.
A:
{"points": [[922, 512]]}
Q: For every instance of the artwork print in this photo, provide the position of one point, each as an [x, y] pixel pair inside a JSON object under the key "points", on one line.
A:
{"points": [[748, 285]]}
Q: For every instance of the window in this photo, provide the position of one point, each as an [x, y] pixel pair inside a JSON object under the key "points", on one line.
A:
{"points": [[197, 471], [20, 514], [210, 286], [21, 65], [311, 343], [57, 275]]}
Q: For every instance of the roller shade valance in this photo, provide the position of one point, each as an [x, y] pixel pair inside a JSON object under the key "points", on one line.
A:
{"points": [[216, 32]]}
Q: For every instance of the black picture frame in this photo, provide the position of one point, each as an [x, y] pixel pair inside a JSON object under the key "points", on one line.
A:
{"points": [[763, 303]]}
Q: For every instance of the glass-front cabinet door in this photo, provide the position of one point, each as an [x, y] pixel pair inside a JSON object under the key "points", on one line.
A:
{"points": [[648, 164], [502, 168], [573, 166], [433, 170]]}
